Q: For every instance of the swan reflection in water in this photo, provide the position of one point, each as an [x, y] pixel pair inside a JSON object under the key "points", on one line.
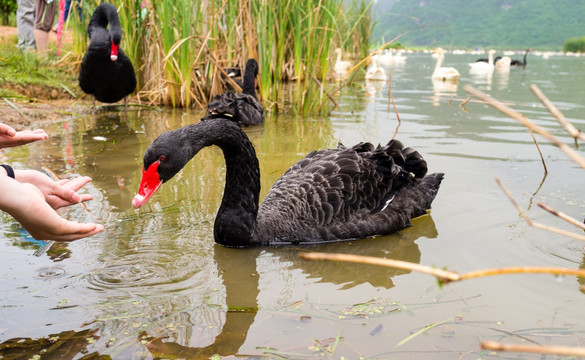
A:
{"points": [[373, 88], [443, 89], [238, 269], [502, 77]]}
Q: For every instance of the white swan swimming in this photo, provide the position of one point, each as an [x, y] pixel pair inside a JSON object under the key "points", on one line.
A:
{"points": [[483, 68], [444, 73], [375, 71]]}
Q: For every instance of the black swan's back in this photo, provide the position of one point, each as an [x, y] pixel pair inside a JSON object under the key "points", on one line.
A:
{"points": [[106, 72], [330, 195], [243, 108], [496, 59], [347, 193]]}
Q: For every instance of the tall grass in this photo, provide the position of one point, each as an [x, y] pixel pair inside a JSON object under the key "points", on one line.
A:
{"points": [[180, 48]]}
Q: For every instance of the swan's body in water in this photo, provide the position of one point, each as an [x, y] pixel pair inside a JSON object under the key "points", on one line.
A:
{"points": [[443, 73], [521, 63], [243, 107], [482, 68], [330, 195], [374, 72], [341, 67], [106, 72]]}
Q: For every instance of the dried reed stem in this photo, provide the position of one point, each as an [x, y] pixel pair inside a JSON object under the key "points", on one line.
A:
{"points": [[535, 349], [12, 105], [442, 275], [523, 270], [398, 264], [578, 159], [391, 99], [573, 131], [563, 216], [529, 221]]}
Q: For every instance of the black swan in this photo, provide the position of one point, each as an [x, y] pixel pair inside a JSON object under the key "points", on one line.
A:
{"points": [[106, 72], [243, 107], [496, 59], [520, 63], [330, 195]]}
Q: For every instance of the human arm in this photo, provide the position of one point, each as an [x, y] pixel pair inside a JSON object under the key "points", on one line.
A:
{"points": [[10, 137], [26, 203]]}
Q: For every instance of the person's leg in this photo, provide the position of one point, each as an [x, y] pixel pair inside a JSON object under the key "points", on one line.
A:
{"points": [[67, 8], [44, 17], [25, 20]]}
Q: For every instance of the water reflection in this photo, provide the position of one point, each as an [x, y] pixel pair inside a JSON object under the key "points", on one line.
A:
{"points": [[238, 269], [443, 89], [110, 148], [502, 78], [374, 87], [64, 345]]}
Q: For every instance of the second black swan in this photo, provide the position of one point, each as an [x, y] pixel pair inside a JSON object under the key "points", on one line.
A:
{"points": [[243, 107], [330, 195], [521, 63], [106, 72]]}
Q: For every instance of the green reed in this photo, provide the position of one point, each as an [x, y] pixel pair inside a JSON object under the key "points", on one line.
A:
{"points": [[180, 48]]}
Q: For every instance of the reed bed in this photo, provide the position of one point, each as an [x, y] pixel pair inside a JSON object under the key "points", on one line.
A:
{"points": [[181, 49]]}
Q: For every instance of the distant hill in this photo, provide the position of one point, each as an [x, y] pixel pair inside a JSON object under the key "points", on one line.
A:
{"points": [[540, 24]]}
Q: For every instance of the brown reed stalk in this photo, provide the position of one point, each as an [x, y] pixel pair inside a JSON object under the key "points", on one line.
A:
{"points": [[566, 124], [529, 221], [534, 349], [573, 155], [565, 217], [442, 275]]}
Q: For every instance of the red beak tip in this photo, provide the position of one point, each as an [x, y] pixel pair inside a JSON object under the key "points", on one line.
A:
{"points": [[138, 201]]}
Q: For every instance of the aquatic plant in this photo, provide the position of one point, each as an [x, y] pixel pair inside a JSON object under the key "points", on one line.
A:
{"points": [[180, 49]]}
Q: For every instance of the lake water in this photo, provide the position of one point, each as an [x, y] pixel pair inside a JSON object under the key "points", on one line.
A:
{"points": [[154, 284]]}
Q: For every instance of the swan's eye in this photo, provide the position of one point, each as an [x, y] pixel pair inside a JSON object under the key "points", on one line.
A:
{"points": [[162, 158]]}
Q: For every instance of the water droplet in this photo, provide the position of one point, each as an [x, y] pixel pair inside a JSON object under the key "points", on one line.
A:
{"points": [[50, 272]]}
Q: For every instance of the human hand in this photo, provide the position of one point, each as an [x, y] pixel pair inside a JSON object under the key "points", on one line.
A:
{"points": [[10, 138], [6, 130], [57, 193], [26, 203]]}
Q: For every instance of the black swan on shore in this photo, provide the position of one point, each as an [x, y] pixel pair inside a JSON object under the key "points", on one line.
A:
{"points": [[106, 72], [330, 195], [243, 107], [521, 63]]}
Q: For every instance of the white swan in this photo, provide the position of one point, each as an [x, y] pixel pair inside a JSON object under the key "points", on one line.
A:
{"points": [[374, 71], [503, 64], [385, 59], [482, 68], [398, 59], [341, 67], [444, 73]]}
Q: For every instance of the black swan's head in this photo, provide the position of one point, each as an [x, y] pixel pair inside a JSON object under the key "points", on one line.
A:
{"points": [[252, 66], [163, 159], [250, 80], [104, 27]]}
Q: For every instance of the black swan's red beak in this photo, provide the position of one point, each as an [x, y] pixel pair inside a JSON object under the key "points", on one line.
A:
{"points": [[150, 183], [114, 52]]}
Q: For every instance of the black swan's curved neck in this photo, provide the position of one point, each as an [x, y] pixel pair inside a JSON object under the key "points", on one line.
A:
{"points": [[236, 217], [250, 73], [106, 15]]}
